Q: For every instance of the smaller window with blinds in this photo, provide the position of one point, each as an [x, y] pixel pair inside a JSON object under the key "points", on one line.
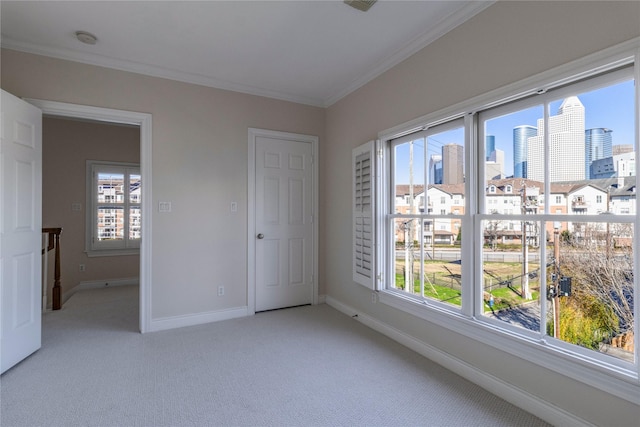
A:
{"points": [[363, 209], [114, 213]]}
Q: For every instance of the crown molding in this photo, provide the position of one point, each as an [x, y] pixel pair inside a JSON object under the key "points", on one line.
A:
{"points": [[453, 20], [152, 70]]}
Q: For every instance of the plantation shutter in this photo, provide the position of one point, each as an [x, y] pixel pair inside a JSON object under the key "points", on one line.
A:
{"points": [[363, 210]]}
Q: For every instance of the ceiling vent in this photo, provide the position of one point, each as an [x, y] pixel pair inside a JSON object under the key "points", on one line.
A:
{"points": [[362, 5]]}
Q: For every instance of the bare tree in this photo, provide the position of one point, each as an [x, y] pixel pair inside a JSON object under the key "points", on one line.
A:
{"points": [[601, 267], [492, 232]]}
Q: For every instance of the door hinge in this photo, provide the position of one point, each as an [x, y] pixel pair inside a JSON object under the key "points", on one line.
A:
{"points": [[380, 152]]}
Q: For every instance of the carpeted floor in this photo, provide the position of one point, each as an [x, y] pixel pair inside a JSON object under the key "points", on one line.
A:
{"points": [[305, 366]]}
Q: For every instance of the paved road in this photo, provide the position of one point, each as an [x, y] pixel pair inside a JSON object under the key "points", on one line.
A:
{"points": [[526, 316]]}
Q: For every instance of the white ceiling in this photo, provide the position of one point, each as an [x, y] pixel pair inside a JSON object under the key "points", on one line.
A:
{"points": [[311, 52]]}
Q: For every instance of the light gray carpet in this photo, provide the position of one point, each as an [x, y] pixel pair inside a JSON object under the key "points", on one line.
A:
{"points": [[305, 366]]}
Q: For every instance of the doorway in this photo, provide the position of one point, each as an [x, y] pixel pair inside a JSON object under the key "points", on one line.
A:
{"points": [[90, 190], [282, 220], [144, 122]]}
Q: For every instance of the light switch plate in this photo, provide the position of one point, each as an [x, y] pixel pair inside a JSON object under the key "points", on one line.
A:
{"points": [[164, 207]]}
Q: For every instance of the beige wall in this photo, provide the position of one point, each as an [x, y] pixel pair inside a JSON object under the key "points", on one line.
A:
{"points": [[505, 43], [66, 146], [200, 139], [200, 162]]}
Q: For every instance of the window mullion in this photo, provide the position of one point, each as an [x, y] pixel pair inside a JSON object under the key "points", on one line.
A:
{"points": [[635, 244], [127, 201], [422, 260], [473, 282]]}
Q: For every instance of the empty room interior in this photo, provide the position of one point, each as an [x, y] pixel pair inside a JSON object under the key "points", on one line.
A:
{"points": [[367, 191]]}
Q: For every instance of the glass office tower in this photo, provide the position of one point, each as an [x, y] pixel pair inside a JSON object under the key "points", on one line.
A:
{"points": [[520, 136], [598, 145]]}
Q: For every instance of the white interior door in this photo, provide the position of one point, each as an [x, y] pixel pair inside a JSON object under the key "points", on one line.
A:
{"points": [[20, 229], [283, 223]]}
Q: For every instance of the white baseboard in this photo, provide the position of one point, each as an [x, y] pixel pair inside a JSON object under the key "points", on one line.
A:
{"points": [[528, 402], [95, 284], [165, 323]]}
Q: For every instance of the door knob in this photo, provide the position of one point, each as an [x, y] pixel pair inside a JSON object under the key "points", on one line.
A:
{"points": [[260, 236]]}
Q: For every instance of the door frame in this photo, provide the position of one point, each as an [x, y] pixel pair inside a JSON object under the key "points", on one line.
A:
{"points": [[144, 121], [251, 203]]}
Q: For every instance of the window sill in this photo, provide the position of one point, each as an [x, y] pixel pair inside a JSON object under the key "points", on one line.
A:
{"points": [[613, 378], [113, 252]]}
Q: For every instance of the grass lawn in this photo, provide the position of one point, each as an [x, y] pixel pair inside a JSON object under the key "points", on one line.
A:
{"points": [[434, 291], [505, 298], [442, 282]]}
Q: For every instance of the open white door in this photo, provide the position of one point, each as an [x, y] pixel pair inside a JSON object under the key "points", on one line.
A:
{"points": [[20, 229]]}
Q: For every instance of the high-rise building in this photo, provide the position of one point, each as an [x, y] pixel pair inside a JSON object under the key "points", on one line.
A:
{"points": [[435, 169], [452, 164], [566, 145], [598, 145], [489, 145], [520, 136]]}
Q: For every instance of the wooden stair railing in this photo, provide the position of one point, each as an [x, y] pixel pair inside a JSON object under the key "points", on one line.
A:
{"points": [[54, 242]]}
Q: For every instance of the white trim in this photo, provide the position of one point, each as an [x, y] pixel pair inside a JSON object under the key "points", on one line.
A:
{"points": [[445, 25], [106, 283], [111, 252], [251, 218], [96, 284], [593, 64], [155, 71], [636, 260], [172, 322], [251, 224], [611, 378], [528, 402], [93, 248], [144, 121]]}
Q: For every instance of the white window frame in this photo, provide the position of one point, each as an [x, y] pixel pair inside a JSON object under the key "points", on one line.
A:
{"points": [[386, 219], [126, 246], [617, 377]]}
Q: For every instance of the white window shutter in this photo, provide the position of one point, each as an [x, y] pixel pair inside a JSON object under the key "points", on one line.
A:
{"points": [[363, 164]]}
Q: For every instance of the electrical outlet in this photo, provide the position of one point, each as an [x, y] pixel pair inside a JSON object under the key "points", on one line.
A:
{"points": [[82, 267], [220, 291]]}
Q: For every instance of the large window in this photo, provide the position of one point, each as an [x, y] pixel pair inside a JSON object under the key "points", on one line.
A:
{"points": [[519, 215], [114, 219], [568, 276], [425, 217]]}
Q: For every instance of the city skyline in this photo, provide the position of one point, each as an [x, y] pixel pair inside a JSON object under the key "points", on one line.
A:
{"points": [[611, 107]]}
